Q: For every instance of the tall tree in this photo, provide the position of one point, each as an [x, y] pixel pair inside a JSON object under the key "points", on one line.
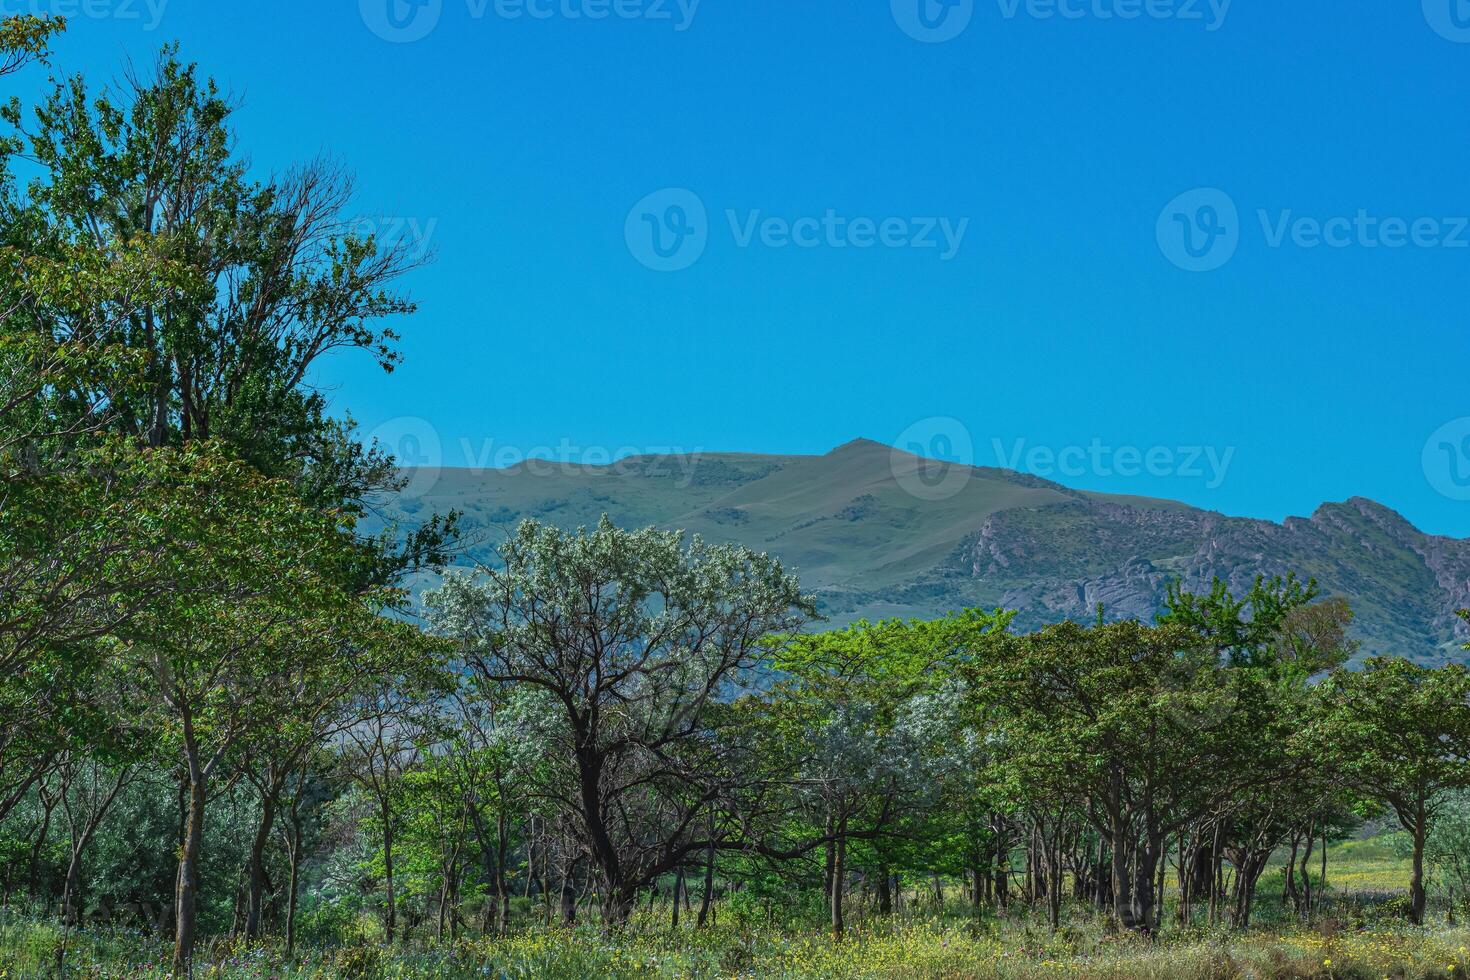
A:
{"points": [[637, 641], [1401, 733]]}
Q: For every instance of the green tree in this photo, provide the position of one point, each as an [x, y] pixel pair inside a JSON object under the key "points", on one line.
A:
{"points": [[1401, 734], [637, 641], [1132, 724], [256, 581], [25, 38]]}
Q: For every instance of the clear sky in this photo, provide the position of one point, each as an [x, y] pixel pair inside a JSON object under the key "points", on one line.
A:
{"points": [[978, 246]]}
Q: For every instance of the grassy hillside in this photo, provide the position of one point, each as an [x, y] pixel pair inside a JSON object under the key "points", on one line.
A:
{"points": [[870, 534]]}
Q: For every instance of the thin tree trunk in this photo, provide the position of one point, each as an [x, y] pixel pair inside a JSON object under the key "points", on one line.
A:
{"points": [[187, 884], [391, 923], [839, 860], [294, 855], [255, 896], [1416, 881], [709, 885]]}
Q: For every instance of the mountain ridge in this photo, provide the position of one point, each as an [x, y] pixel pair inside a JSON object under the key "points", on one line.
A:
{"points": [[875, 531]]}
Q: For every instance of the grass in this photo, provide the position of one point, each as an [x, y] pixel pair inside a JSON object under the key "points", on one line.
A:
{"points": [[1355, 938]]}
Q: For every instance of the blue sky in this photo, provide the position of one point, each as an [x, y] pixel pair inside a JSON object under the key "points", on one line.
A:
{"points": [[1310, 337]]}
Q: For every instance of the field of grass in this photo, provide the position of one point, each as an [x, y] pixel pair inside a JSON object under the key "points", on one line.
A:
{"points": [[1359, 935]]}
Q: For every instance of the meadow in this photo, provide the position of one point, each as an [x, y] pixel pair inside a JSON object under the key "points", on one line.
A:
{"points": [[1359, 933]]}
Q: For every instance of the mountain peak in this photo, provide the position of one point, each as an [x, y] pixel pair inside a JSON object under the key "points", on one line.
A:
{"points": [[1366, 509], [859, 445]]}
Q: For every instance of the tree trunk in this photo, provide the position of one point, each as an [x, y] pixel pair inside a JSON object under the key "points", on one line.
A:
{"points": [[502, 887], [295, 858], [839, 860], [391, 917], [187, 884], [831, 847], [569, 896], [617, 907], [1002, 874], [1307, 896], [1416, 880], [885, 891], [255, 896], [709, 884], [1122, 887], [69, 913], [1288, 888]]}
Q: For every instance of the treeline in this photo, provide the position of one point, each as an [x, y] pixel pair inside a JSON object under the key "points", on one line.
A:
{"points": [[223, 716]]}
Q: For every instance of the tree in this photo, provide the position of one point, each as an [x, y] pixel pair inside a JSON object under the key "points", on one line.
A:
{"points": [[392, 724], [873, 707], [25, 38], [637, 642], [1401, 733], [256, 582], [1130, 723], [244, 286]]}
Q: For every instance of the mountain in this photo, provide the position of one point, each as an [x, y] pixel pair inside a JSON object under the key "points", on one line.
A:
{"points": [[877, 532]]}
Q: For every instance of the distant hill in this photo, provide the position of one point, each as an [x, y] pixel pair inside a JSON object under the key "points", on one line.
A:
{"points": [[876, 532]]}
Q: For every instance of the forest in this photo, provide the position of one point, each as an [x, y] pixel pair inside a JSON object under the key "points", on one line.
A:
{"points": [[234, 742]]}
